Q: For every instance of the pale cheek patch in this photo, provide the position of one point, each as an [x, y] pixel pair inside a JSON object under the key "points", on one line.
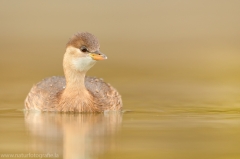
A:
{"points": [[72, 49], [83, 63]]}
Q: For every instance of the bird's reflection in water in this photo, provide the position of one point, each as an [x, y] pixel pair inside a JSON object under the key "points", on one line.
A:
{"points": [[72, 135]]}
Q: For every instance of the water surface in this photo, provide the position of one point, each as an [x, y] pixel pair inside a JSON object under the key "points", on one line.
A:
{"points": [[175, 124], [175, 63]]}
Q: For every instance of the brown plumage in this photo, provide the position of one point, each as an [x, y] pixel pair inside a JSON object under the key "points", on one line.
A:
{"points": [[75, 92], [84, 38]]}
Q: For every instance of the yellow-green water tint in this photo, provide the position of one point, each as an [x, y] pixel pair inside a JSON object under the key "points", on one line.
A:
{"points": [[175, 63]]}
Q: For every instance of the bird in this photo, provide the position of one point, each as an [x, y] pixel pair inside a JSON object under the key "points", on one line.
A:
{"points": [[75, 92]]}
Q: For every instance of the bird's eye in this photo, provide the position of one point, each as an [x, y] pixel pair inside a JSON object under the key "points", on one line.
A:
{"points": [[84, 49]]}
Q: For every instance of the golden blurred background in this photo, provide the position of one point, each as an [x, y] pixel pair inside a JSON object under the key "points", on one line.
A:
{"points": [[175, 63], [147, 42]]}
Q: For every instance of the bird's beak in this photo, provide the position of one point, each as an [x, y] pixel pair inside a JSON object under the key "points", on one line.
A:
{"points": [[97, 56]]}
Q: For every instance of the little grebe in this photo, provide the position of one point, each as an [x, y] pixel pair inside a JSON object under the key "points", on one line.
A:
{"points": [[75, 92]]}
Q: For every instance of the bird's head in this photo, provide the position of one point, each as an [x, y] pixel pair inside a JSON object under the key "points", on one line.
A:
{"points": [[82, 52]]}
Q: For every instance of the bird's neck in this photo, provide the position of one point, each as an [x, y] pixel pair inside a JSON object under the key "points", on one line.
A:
{"points": [[75, 80], [75, 97]]}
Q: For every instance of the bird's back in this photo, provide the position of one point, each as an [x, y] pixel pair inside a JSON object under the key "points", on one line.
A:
{"points": [[105, 96], [44, 95]]}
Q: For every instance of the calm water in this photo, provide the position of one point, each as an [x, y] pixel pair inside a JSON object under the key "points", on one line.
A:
{"points": [[176, 121], [175, 63]]}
